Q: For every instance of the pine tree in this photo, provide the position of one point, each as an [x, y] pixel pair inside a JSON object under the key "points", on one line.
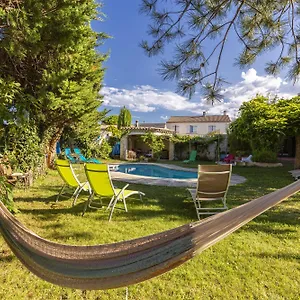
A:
{"points": [[259, 26]]}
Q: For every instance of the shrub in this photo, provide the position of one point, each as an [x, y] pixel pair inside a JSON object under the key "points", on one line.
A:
{"points": [[264, 155], [6, 195], [23, 147], [105, 149]]}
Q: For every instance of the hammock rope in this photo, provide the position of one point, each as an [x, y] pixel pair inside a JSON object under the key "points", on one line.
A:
{"points": [[125, 263]]}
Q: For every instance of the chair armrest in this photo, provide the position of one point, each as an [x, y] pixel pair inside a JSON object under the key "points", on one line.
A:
{"points": [[122, 190]]}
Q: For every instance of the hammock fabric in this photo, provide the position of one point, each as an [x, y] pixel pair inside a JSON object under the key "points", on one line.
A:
{"points": [[125, 263]]}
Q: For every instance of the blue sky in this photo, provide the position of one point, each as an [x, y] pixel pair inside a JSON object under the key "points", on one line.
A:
{"points": [[132, 79]]}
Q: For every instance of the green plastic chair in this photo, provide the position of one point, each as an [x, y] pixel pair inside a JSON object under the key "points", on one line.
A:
{"points": [[70, 179], [101, 184], [192, 158]]}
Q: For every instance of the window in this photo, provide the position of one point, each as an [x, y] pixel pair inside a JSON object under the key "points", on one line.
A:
{"points": [[212, 128], [193, 129], [176, 128]]}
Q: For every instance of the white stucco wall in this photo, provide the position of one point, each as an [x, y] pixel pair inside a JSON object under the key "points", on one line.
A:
{"points": [[202, 128]]}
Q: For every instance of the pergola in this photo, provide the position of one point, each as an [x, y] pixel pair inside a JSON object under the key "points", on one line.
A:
{"points": [[132, 142]]}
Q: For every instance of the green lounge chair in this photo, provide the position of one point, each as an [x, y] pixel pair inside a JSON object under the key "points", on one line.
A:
{"points": [[69, 156], [66, 172], [101, 184], [82, 158], [192, 158]]}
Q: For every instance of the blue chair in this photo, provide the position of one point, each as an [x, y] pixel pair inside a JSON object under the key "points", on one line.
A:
{"points": [[82, 158], [69, 156]]}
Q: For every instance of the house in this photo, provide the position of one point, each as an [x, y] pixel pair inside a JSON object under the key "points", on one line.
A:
{"points": [[199, 125]]}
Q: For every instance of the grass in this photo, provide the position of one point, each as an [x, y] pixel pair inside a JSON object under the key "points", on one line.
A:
{"points": [[259, 261]]}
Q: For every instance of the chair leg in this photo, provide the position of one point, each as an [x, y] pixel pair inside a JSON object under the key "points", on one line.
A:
{"points": [[112, 208], [90, 204], [124, 201], [76, 191], [110, 202], [61, 191], [87, 203], [77, 194]]}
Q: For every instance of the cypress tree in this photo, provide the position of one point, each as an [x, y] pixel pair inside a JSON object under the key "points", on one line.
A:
{"points": [[124, 118]]}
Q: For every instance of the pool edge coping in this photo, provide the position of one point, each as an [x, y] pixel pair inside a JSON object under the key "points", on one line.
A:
{"points": [[139, 179]]}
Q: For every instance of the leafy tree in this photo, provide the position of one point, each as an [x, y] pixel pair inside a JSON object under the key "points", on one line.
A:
{"points": [[22, 147], [290, 111], [260, 124], [47, 53], [124, 118], [111, 120], [263, 123], [260, 26], [85, 133]]}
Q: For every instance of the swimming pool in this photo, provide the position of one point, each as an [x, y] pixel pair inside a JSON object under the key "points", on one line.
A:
{"points": [[155, 171]]}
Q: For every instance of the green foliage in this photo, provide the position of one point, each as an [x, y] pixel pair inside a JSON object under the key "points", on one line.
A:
{"points": [[179, 139], [48, 56], [104, 149], [124, 118], [84, 134], [6, 195], [110, 120], [260, 124], [264, 155], [238, 146], [189, 26], [155, 142], [289, 109], [23, 146], [8, 91]]}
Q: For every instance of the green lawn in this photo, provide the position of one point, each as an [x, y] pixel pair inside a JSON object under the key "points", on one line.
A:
{"points": [[259, 261]]}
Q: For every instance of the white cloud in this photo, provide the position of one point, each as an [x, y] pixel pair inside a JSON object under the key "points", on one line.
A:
{"points": [[164, 117], [148, 99]]}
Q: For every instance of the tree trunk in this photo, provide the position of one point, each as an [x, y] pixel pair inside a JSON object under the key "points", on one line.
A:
{"points": [[52, 147], [297, 155]]}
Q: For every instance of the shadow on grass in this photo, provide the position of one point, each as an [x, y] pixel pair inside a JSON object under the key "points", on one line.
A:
{"points": [[269, 229], [73, 235], [52, 213], [285, 256], [7, 258]]}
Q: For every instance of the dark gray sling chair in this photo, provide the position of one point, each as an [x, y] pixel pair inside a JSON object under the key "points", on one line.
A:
{"points": [[125, 263]]}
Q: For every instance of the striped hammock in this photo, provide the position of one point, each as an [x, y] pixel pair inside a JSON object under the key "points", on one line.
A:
{"points": [[125, 263]]}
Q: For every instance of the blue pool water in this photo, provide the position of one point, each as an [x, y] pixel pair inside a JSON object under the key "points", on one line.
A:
{"points": [[155, 171]]}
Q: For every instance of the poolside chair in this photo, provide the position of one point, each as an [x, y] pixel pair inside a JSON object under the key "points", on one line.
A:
{"points": [[212, 185], [101, 184], [66, 172], [229, 158], [82, 158], [69, 156], [192, 158]]}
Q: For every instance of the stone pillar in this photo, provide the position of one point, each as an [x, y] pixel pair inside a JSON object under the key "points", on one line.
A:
{"points": [[123, 147], [171, 150]]}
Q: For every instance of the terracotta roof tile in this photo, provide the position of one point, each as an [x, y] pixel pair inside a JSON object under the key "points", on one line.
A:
{"points": [[151, 129], [155, 125], [199, 119]]}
